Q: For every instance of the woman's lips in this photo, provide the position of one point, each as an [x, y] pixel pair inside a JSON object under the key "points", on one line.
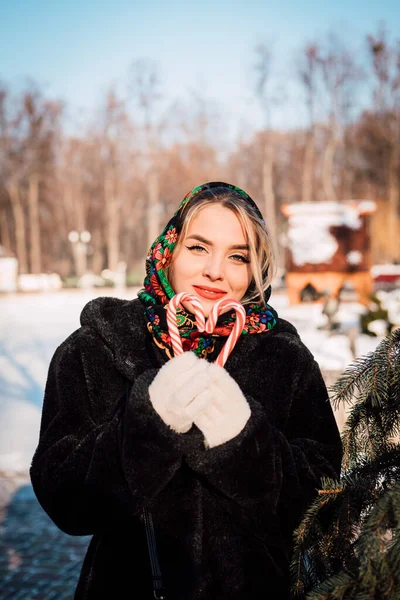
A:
{"points": [[208, 293]]}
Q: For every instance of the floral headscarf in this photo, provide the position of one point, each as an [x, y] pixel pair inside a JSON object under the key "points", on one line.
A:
{"points": [[157, 292]]}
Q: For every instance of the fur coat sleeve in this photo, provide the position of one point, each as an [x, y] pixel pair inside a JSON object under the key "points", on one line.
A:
{"points": [[98, 461]]}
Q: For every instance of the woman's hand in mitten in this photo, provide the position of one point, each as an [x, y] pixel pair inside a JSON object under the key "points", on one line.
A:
{"points": [[227, 410], [176, 391]]}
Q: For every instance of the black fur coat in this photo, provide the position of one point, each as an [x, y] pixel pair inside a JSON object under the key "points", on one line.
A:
{"points": [[224, 516]]}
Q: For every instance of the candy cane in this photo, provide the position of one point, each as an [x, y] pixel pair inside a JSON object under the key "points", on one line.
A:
{"points": [[173, 304], [237, 329]]}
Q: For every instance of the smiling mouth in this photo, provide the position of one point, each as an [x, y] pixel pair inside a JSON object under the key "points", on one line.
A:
{"points": [[210, 289], [209, 293]]}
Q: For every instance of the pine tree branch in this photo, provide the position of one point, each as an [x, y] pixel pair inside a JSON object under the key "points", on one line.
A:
{"points": [[370, 376], [348, 543]]}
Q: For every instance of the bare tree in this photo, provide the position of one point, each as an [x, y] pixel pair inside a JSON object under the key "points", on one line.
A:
{"points": [[73, 209], [308, 73], [27, 132], [198, 153], [385, 60], [97, 167], [144, 82], [114, 120], [340, 74], [266, 98], [41, 117], [11, 167]]}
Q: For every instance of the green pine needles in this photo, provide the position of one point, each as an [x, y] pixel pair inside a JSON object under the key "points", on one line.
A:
{"points": [[348, 544]]}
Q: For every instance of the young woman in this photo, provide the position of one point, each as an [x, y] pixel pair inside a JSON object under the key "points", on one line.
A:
{"points": [[224, 459]]}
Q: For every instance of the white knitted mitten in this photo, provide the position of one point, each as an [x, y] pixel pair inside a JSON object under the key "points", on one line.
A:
{"points": [[227, 410], [176, 391]]}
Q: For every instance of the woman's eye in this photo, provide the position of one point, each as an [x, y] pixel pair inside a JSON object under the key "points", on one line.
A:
{"points": [[240, 258], [196, 247], [235, 257]]}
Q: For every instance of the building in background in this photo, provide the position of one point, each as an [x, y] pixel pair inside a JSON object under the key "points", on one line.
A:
{"points": [[328, 248]]}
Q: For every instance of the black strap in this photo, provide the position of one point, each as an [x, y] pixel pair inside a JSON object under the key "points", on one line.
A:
{"points": [[159, 592]]}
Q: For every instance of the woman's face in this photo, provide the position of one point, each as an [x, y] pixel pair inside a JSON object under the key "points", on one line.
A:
{"points": [[213, 260]]}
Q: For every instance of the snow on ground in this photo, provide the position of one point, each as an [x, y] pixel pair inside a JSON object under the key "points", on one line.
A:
{"points": [[33, 325], [31, 328], [331, 351]]}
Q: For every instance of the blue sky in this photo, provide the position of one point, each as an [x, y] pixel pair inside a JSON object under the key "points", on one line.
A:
{"points": [[76, 50]]}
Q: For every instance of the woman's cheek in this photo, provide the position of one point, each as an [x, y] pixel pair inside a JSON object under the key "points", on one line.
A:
{"points": [[194, 266], [239, 278]]}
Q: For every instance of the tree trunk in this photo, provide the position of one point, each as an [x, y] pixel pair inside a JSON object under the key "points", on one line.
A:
{"points": [[113, 224], [67, 204], [308, 169], [327, 169], [5, 231], [19, 219], [348, 176], [74, 206], [153, 209], [269, 194], [97, 257], [394, 203], [34, 229]]}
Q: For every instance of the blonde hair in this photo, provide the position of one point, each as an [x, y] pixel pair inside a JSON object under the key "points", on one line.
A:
{"points": [[262, 259]]}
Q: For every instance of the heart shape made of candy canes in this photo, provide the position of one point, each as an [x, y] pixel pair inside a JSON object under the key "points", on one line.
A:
{"points": [[203, 325]]}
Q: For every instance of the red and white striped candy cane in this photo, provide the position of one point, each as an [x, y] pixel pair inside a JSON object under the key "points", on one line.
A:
{"points": [[237, 329], [227, 303], [173, 304]]}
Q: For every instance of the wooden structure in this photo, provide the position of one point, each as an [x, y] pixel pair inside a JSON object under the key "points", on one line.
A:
{"points": [[328, 245]]}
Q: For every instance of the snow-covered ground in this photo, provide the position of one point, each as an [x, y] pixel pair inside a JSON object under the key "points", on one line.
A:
{"points": [[331, 351], [33, 325]]}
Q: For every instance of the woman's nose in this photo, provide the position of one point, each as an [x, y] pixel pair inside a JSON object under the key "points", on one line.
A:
{"points": [[213, 269]]}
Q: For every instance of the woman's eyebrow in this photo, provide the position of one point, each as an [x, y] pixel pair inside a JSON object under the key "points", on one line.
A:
{"points": [[200, 238]]}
